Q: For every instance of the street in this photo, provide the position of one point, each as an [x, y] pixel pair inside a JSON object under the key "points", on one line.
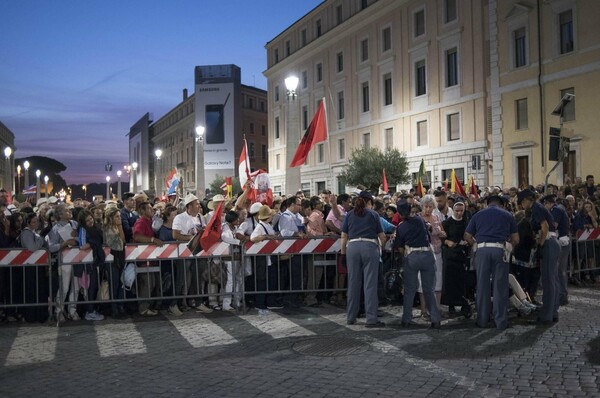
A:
{"points": [[309, 352]]}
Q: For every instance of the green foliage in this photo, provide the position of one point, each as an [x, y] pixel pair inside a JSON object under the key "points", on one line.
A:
{"points": [[366, 165], [215, 185]]}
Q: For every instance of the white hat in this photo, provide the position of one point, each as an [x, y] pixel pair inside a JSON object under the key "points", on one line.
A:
{"points": [[255, 208], [12, 208], [189, 198], [215, 199], [52, 199], [41, 201]]}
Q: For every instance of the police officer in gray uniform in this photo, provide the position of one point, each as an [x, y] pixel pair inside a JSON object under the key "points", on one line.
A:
{"points": [[545, 230], [413, 239], [489, 230], [563, 226]]}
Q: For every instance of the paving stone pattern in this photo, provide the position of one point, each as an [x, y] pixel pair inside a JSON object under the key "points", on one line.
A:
{"points": [[226, 355]]}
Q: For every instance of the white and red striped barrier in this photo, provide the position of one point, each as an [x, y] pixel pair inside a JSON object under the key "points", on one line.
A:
{"points": [[168, 251], [75, 255], [24, 257], [588, 234], [218, 249], [294, 246]]}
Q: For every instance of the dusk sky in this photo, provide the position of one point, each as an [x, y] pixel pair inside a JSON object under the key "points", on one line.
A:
{"points": [[76, 75]]}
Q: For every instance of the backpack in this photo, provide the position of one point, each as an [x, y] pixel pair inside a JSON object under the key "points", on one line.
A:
{"points": [[128, 276]]}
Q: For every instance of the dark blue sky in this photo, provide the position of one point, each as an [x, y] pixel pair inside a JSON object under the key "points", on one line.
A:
{"points": [[75, 75]]}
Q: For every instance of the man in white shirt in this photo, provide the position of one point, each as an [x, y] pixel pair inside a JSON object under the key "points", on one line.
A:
{"points": [[185, 226], [443, 211]]}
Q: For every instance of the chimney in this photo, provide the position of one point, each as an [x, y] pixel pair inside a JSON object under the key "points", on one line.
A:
{"points": [[185, 94]]}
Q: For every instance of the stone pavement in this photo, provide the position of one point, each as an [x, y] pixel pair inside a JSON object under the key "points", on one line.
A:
{"points": [[304, 353]]}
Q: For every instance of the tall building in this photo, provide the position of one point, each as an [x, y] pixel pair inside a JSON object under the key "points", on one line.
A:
{"points": [[441, 80], [7, 169]]}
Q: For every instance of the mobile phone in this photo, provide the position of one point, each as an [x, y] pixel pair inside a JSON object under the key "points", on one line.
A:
{"points": [[215, 133]]}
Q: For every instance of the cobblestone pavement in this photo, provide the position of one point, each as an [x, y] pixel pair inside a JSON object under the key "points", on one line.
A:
{"points": [[304, 353]]}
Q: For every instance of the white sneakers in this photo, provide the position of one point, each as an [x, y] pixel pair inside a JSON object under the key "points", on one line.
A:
{"points": [[174, 310], [94, 316]]}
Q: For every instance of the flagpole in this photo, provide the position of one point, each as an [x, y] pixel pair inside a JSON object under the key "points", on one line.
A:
{"points": [[329, 143]]}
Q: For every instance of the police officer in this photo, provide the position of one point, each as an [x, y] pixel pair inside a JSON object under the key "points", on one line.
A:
{"points": [[489, 230], [545, 230], [412, 238], [563, 225]]}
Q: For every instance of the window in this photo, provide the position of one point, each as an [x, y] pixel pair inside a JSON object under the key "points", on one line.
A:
{"points": [[276, 128], [387, 89], [263, 130], [520, 40], [569, 109], [288, 49], [389, 138], [419, 23], [251, 128], [277, 162], [422, 133], [342, 148], [386, 39], [320, 153], [304, 79], [453, 126], [276, 52], [521, 113], [263, 152], [451, 67], [250, 103], [460, 175], [319, 72], [304, 117], [262, 106], [303, 37], [251, 150], [449, 10], [365, 97], [364, 50], [276, 93], [565, 21], [420, 78], [340, 101], [366, 140], [339, 16], [318, 31], [340, 62]]}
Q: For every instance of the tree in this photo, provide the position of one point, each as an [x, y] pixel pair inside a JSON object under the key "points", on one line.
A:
{"points": [[366, 165]]}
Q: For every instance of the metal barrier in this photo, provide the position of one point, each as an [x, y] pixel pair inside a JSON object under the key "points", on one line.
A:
{"points": [[586, 246], [25, 279]]}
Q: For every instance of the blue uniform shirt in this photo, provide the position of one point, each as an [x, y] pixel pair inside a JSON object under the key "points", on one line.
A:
{"points": [[492, 225], [412, 232], [560, 216], [538, 214], [368, 226]]}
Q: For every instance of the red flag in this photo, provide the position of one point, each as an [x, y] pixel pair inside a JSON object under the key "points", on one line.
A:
{"points": [[445, 188], [316, 132], [473, 188], [420, 188], [456, 186], [244, 166], [212, 233], [385, 185]]}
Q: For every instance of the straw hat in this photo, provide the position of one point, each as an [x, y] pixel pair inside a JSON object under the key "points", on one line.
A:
{"points": [[265, 213], [215, 199], [189, 198]]}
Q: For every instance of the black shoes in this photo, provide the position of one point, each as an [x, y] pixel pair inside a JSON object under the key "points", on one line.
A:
{"points": [[378, 324], [435, 325]]}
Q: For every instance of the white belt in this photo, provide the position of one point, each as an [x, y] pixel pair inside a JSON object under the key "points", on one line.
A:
{"points": [[408, 250], [490, 244], [376, 241]]}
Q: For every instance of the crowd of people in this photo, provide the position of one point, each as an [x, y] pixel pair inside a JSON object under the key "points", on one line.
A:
{"points": [[492, 249]]}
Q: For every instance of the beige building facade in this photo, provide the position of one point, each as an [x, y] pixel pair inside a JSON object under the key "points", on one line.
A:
{"points": [[441, 80]]}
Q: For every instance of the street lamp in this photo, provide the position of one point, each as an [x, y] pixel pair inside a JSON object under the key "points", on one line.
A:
{"points": [[7, 153], [84, 192], [26, 173], [134, 167], [158, 154], [38, 188], [119, 172], [46, 182], [292, 174], [18, 179], [199, 165], [107, 187]]}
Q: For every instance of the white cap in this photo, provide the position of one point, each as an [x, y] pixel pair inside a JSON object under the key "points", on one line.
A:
{"points": [[255, 208]]}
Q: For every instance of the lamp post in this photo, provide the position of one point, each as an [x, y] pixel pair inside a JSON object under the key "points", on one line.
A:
{"points": [[7, 153], [199, 164], [84, 192], [134, 167], [119, 172], [38, 187], [26, 174], [107, 187], [158, 154], [18, 179], [292, 174], [46, 179]]}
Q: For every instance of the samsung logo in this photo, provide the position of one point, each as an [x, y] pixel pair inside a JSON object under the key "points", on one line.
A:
{"points": [[209, 89]]}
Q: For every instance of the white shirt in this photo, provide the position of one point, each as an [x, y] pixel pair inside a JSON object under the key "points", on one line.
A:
{"points": [[441, 215], [261, 229], [188, 225]]}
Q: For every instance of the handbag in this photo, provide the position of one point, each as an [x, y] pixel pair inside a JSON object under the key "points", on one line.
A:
{"points": [[103, 292], [194, 244]]}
